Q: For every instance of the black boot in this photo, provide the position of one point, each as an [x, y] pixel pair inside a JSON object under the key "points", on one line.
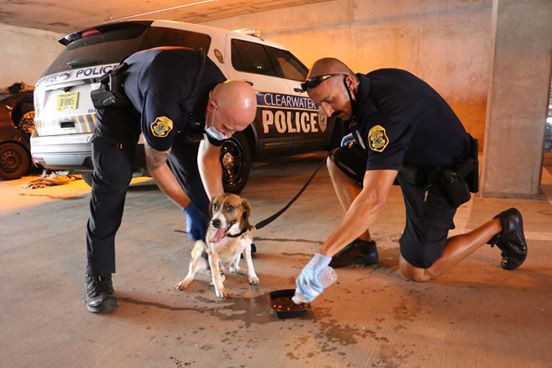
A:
{"points": [[100, 296], [511, 239], [358, 252]]}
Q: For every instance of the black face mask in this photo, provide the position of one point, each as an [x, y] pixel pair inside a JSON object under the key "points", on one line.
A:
{"points": [[353, 102]]}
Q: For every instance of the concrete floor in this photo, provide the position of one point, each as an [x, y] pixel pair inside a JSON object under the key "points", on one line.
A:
{"points": [[477, 315]]}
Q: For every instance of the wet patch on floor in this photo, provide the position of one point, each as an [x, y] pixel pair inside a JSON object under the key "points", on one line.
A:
{"points": [[253, 310], [249, 310], [179, 364], [391, 356], [332, 340], [343, 335]]}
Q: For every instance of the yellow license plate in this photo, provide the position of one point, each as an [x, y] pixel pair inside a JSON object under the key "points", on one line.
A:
{"points": [[67, 101]]}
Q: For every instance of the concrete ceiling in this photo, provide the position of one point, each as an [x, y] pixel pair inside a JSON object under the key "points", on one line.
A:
{"points": [[64, 16]]}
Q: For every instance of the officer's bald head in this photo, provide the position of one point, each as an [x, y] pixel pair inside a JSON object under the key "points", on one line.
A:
{"points": [[238, 98], [328, 66], [236, 103], [332, 85]]}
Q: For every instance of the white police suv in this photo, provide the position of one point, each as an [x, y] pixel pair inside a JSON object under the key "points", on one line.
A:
{"points": [[287, 122]]}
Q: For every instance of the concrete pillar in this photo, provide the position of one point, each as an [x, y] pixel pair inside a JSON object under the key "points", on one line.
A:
{"points": [[517, 102], [26, 53]]}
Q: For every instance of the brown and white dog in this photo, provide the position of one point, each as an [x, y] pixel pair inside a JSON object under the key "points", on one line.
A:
{"points": [[229, 235]]}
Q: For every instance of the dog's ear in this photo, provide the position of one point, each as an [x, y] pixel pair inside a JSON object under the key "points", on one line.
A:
{"points": [[246, 213]]}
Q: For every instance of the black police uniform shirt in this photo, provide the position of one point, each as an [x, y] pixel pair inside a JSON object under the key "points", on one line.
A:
{"points": [[401, 120], [157, 82]]}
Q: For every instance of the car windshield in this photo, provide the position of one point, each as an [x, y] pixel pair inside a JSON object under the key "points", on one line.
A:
{"points": [[113, 45]]}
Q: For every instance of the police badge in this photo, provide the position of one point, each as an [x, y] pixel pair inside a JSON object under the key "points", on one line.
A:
{"points": [[377, 138], [322, 120], [161, 127]]}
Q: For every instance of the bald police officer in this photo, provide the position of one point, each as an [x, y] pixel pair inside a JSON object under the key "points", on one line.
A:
{"points": [[403, 131], [175, 97]]}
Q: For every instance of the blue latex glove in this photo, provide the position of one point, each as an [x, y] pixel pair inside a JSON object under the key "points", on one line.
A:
{"points": [[307, 282], [346, 140]]}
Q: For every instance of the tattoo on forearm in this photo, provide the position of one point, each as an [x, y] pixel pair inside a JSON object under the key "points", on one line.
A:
{"points": [[155, 158]]}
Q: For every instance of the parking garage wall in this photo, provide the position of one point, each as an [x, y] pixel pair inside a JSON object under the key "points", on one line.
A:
{"points": [[445, 42], [26, 53]]}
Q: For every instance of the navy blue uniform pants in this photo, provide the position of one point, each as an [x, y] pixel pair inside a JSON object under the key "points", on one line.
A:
{"points": [[112, 174]]}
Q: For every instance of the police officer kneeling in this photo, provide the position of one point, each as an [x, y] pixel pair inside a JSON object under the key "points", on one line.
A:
{"points": [[175, 97], [405, 132]]}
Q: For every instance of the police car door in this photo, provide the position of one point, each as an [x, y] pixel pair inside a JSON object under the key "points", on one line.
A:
{"points": [[250, 61]]}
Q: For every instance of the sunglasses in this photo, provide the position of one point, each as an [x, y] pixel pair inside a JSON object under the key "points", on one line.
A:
{"points": [[315, 81]]}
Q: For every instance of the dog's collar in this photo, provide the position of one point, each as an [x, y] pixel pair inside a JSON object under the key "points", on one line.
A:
{"points": [[245, 229]]}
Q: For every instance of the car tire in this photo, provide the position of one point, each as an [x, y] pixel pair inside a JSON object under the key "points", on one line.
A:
{"points": [[235, 159], [14, 161], [87, 177], [25, 118]]}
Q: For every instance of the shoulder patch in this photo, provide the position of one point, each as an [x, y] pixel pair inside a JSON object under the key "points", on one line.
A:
{"points": [[377, 138], [161, 127]]}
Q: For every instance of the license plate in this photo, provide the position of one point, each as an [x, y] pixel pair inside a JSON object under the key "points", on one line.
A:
{"points": [[67, 101]]}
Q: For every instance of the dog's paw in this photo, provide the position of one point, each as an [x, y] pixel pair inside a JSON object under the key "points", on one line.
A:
{"points": [[253, 280], [183, 284], [221, 293]]}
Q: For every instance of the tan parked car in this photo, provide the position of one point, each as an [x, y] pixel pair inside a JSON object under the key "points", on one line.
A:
{"points": [[16, 126]]}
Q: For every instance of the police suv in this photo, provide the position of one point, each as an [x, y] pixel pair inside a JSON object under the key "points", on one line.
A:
{"points": [[287, 121]]}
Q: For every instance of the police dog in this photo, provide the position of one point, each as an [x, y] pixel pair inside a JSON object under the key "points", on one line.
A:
{"points": [[229, 235]]}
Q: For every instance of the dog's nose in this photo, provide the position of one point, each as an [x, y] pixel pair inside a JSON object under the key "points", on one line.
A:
{"points": [[215, 223]]}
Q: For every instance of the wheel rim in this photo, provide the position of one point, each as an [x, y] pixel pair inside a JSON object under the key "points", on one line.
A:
{"points": [[27, 122], [231, 159], [10, 161]]}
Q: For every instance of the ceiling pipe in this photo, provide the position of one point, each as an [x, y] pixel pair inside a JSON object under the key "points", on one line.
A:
{"points": [[162, 10]]}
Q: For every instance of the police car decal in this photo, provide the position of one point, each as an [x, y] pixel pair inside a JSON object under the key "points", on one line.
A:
{"points": [[377, 138], [95, 71], [82, 73], [288, 114]]}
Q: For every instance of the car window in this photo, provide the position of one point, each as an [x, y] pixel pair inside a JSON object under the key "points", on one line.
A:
{"points": [[104, 48], [114, 45], [251, 57], [290, 66], [158, 36]]}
